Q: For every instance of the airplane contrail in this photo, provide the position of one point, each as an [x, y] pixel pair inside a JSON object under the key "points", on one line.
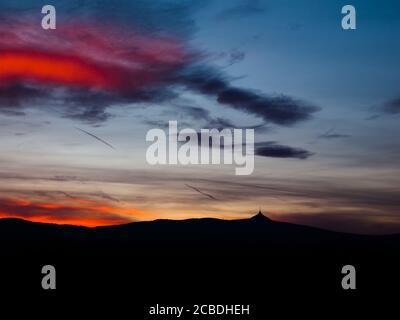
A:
{"points": [[97, 138], [201, 192]]}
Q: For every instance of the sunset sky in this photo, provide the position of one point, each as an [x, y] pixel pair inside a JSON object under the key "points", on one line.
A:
{"points": [[325, 103]]}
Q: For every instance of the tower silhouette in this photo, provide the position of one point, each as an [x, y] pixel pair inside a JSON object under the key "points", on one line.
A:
{"points": [[260, 216]]}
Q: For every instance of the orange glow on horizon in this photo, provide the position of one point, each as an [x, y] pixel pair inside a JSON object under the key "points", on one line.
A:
{"points": [[84, 212], [88, 213], [90, 223]]}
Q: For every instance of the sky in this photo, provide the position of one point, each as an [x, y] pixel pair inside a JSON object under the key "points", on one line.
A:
{"points": [[324, 102]]}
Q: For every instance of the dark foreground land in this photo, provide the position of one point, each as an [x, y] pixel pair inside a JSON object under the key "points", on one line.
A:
{"points": [[275, 267]]}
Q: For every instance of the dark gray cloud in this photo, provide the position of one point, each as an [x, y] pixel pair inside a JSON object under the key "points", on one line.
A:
{"points": [[275, 150], [196, 117], [278, 109], [197, 114], [392, 107], [236, 56], [269, 149], [91, 107], [373, 117], [281, 109], [13, 98], [75, 104], [85, 105]]}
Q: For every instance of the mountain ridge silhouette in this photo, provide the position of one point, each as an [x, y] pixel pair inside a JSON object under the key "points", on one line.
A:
{"points": [[169, 255], [259, 218], [256, 233]]}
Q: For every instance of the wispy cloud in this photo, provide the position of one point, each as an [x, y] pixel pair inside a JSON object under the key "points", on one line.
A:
{"points": [[97, 138], [201, 192], [331, 134], [243, 9]]}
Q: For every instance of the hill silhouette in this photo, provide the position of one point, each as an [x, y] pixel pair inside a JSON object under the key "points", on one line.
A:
{"points": [[192, 235], [188, 261]]}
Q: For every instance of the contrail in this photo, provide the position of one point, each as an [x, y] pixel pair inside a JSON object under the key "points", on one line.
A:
{"points": [[201, 192], [97, 138]]}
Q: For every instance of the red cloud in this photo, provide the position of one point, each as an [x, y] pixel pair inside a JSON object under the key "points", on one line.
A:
{"points": [[17, 66], [86, 55]]}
